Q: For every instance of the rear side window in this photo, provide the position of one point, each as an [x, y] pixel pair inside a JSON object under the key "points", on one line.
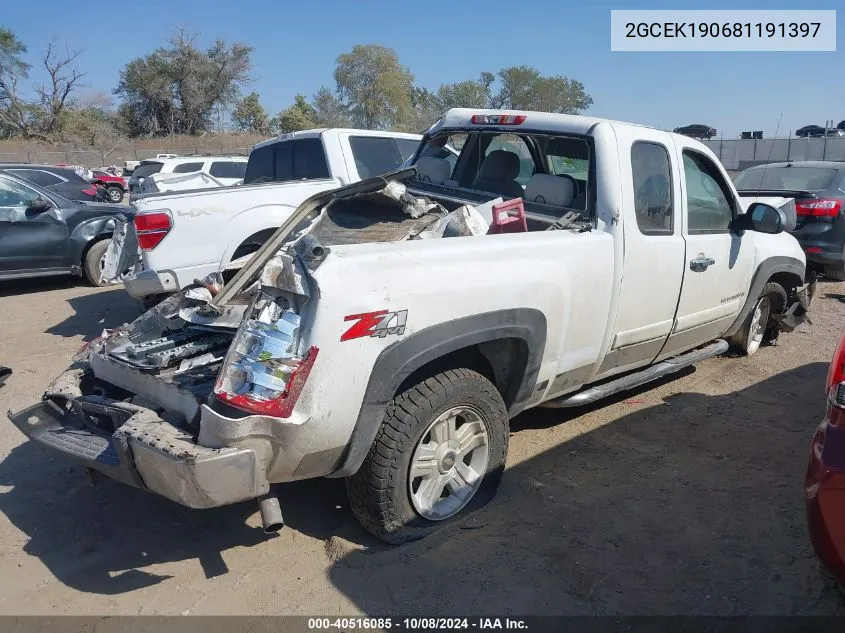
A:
{"points": [[309, 159], [375, 155], [259, 168], [652, 188], [187, 168], [283, 162], [37, 176], [299, 159], [227, 169]]}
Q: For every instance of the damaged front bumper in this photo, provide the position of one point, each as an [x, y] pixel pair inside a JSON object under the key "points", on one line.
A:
{"points": [[796, 312], [134, 445]]}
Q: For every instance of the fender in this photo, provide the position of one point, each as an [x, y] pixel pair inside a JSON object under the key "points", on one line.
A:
{"points": [[771, 266], [401, 359], [89, 230], [251, 221]]}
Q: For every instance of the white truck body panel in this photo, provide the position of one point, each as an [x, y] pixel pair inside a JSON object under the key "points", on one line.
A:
{"points": [[209, 225]]}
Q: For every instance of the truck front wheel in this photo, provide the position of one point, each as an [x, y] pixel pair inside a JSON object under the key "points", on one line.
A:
{"points": [[759, 326], [439, 454]]}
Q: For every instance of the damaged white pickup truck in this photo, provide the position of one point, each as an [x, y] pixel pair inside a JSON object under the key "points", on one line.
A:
{"points": [[389, 329]]}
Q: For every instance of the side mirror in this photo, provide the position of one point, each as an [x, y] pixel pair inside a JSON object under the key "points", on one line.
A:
{"points": [[39, 205], [762, 218]]}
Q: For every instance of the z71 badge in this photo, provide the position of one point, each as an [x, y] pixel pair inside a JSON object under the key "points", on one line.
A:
{"points": [[377, 324]]}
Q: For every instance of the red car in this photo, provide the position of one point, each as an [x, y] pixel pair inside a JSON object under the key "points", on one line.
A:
{"points": [[115, 186], [824, 485]]}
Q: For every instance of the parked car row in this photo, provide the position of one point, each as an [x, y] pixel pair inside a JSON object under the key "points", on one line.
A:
{"points": [[228, 170], [697, 130]]}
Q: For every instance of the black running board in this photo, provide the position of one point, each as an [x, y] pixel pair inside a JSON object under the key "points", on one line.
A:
{"points": [[641, 377]]}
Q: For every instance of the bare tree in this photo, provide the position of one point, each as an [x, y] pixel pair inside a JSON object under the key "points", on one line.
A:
{"points": [[53, 96]]}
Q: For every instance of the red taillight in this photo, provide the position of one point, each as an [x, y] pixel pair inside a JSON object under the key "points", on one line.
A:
{"points": [[280, 406], [498, 119], [835, 383], [151, 229], [90, 191], [813, 249], [824, 207]]}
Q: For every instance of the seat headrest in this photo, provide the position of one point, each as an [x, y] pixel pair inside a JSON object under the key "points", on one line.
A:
{"points": [[558, 191], [434, 170], [499, 165]]}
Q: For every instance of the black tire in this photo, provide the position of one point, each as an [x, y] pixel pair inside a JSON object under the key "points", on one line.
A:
{"points": [[115, 194], [772, 300], [91, 265], [379, 492], [835, 272]]}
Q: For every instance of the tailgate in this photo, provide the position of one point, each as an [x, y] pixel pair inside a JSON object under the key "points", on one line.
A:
{"points": [[123, 255]]}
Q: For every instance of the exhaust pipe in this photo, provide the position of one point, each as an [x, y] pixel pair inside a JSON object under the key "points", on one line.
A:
{"points": [[271, 513]]}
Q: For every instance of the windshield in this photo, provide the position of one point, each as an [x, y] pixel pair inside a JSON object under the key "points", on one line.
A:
{"points": [[786, 178], [540, 168]]}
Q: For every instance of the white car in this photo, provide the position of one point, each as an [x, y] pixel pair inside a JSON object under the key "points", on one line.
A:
{"points": [[390, 329], [227, 169], [167, 240]]}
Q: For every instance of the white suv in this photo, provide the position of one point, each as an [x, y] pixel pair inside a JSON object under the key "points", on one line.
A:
{"points": [[227, 169]]}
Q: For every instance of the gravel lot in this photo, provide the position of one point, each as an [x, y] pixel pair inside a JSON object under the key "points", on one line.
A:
{"points": [[685, 498]]}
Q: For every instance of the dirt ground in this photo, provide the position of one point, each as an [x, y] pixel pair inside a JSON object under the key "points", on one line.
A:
{"points": [[685, 498]]}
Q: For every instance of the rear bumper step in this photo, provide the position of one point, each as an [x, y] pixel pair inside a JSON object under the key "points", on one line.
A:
{"points": [[135, 446], [641, 377]]}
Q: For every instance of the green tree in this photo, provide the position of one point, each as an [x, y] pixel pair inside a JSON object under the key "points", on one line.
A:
{"points": [[466, 94], [14, 115], [329, 111], [373, 85], [249, 115], [300, 116], [524, 88], [423, 111], [176, 88]]}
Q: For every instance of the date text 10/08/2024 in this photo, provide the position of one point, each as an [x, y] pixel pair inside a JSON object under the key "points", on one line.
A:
{"points": [[416, 624]]}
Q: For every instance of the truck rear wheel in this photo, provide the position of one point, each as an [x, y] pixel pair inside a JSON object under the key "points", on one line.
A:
{"points": [[439, 454], [759, 326]]}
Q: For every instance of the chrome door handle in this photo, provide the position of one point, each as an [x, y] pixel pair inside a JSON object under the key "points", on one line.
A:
{"points": [[701, 263]]}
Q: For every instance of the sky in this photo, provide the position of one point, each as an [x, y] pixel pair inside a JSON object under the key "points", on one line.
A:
{"points": [[296, 45]]}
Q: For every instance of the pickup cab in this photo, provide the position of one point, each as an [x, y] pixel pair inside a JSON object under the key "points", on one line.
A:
{"points": [[167, 240], [388, 330]]}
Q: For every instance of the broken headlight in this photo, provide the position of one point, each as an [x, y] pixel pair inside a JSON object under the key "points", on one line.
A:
{"points": [[262, 373]]}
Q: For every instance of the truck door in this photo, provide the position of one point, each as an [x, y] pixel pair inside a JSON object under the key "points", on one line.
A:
{"points": [[718, 264], [653, 248]]}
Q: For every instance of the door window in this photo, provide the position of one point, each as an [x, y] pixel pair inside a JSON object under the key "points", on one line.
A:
{"points": [[228, 169], [407, 147], [309, 159], [13, 194], [709, 201], [187, 168], [37, 176], [652, 188]]}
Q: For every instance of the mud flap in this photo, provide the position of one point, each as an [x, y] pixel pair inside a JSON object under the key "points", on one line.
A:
{"points": [[123, 254], [796, 313]]}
